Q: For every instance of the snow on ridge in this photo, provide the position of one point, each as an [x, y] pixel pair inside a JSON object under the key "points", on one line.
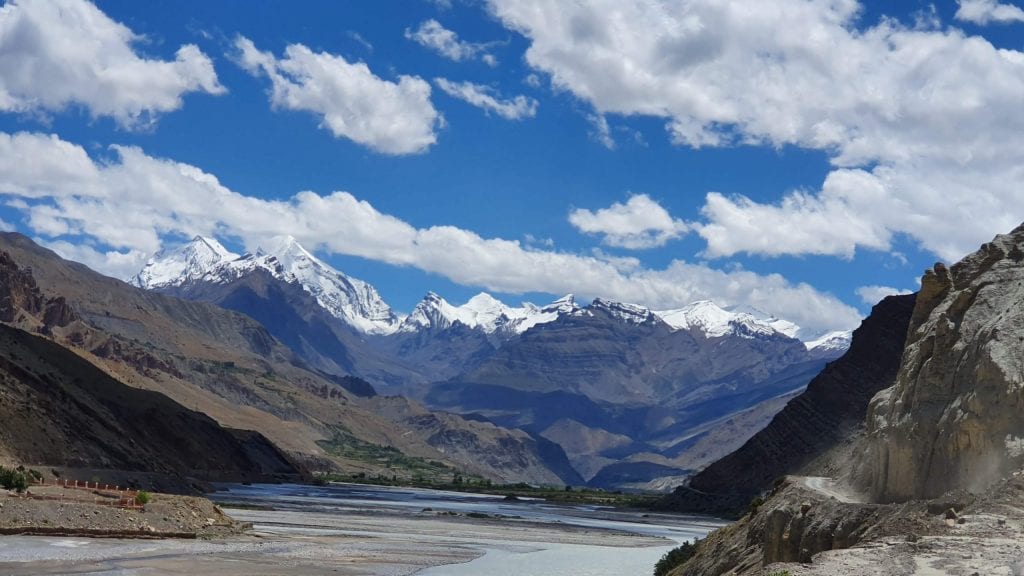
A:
{"points": [[831, 341], [185, 264], [715, 321], [204, 259], [486, 313], [633, 313], [359, 304]]}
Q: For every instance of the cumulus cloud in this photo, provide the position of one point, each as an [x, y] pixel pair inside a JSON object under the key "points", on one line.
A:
{"points": [[431, 34], [984, 12], [872, 295], [55, 54], [483, 97], [928, 119], [639, 223], [128, 205], [348, 98]]}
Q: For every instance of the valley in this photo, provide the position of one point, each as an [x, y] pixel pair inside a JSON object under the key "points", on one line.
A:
{"points": [[512, 287], [350, 529], [626, 393]]}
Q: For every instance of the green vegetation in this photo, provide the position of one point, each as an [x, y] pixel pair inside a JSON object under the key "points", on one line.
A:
{"points": [[675, 557], [347, 446], [11, 479], [780, 573], [410, 471], [511, 492], [755, 504], [142, 498]]}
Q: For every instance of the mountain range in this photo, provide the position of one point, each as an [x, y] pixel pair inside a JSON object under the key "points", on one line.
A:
{"points": [[647, 394], [232, 371]]}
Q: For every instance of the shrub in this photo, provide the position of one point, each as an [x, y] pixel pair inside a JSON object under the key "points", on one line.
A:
{"points": [[780, 573], [755, 504], [675, 557], [142, 498], [13, 480]]}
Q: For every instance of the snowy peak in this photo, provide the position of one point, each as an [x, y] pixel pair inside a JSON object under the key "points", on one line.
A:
{"points": [[486, 313], [288, 251], [206, 260], [830, 342], [350, 299], [565, 305], [631, 313], [714, 321], [432, 313], [182, 265]]}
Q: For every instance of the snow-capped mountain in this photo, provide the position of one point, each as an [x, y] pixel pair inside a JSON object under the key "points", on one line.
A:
{"points": [[485, 313], [630, 313], [206, 260], [358, 304], [715, 322], [183, 265], [838, 341]]}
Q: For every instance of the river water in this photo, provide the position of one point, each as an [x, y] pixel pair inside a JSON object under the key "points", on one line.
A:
{"points": [[353, 530], [606, 549]]}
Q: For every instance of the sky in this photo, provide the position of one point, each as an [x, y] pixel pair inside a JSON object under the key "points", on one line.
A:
{"points": [[804, 157]]}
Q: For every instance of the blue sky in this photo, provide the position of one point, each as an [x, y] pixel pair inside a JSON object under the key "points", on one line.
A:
{"points": [[845, 147]]}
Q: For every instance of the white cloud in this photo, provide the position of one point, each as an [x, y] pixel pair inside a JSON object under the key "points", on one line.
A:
{"points": [[639, 223], [112, 262], [483, 97], [359, 39], [601, 133], [431, 34], [351, 102], [983, 12], [928, 119], [872, 295], [129, 204], [60, 53]]}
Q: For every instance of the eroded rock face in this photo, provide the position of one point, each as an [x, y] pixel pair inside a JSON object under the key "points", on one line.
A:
{"points": [[827, 413], [954, 419]]}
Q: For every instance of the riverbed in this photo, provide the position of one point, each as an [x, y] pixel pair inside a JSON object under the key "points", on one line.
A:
{"points": [[368, 530]]}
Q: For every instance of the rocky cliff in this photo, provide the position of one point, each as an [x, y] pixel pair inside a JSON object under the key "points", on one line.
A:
{"points": [[829, 411], [953, 417], [938, 474]]}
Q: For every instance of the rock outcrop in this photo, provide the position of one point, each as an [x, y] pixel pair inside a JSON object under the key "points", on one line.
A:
{"points": [[953, 417], [794, 524], [828, 412]]}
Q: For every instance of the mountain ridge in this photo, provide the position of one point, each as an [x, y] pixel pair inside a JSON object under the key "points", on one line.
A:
{"points": [[359, 304]]}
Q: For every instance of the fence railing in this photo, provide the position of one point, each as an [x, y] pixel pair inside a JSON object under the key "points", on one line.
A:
{"points": [[122, 497]]}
